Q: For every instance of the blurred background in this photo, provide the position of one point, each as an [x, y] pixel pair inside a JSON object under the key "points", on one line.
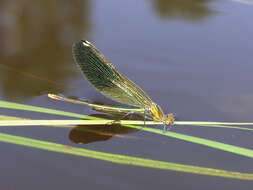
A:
{"points": [[36, 45]]}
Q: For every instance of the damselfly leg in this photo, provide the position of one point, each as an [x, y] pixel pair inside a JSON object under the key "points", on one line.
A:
{"points": [[123, 117], [144, 117]]}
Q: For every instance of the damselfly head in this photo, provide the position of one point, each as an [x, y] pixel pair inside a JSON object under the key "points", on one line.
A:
{"points": [[170, 119]]}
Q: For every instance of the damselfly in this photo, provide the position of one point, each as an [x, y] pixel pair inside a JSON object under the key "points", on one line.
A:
{"points": [[111, 83]]}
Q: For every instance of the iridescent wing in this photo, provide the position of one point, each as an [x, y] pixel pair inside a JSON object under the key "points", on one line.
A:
{"points": [[106, 78]]}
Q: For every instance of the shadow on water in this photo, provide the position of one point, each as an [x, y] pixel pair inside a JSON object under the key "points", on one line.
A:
{"points": [[36, 41], [87, 134], [189, 10]]}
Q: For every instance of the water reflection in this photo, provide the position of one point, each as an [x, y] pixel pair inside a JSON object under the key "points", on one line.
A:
{"points": [[191, 10], [36, 39], [88, 134]]}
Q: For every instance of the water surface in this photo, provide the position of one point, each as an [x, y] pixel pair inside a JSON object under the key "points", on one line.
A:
{"points": [[194, 58]]}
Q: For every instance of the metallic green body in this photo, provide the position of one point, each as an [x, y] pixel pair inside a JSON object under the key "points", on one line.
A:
{"points": [[111, 83]]}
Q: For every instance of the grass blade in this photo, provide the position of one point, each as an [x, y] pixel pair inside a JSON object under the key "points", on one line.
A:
{"points": [[225, 126], [205, 142], [14, 122], [7, 117], [211, 123], [17, 106], [121, 159], [197, 140]]}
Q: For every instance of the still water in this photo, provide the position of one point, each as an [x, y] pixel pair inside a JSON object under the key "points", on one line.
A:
{"points": [[193, 57]]}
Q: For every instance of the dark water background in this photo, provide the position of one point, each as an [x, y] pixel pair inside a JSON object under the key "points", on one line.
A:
{"points": [[193, 57]]}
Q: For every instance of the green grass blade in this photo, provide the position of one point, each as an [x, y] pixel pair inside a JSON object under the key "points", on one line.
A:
{"points": [[205, 142], [16, 106], [225, 126], [121, 159], [197, 140], [7, 117]]}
